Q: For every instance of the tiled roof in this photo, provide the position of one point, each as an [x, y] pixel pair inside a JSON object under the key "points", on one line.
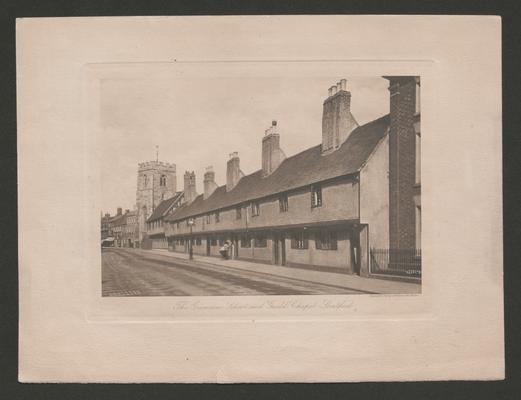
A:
{"points": [[119, 220], [164, 207], [302, 169]]}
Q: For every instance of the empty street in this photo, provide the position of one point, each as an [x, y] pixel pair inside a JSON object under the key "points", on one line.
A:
{"points": [[129, 272]]}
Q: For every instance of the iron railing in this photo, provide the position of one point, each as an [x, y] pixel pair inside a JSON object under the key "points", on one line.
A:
{"points": [[396, 262]]}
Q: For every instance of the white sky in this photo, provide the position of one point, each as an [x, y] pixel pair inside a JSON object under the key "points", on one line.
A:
{"points": [[198, 122]]}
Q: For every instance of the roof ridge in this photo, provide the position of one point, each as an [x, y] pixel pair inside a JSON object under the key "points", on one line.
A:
{"points": [[301, 169]]}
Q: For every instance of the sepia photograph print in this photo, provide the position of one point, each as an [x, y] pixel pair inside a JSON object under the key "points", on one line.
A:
{"points": [[244, 200], [261, 186]]}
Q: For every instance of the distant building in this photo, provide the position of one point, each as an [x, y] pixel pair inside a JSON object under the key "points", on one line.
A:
{"points": [[105, 231], [130, 230], [336, 206], [117, 224], [156, 238]]}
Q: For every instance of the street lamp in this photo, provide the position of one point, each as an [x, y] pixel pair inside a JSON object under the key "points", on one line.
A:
{"points": [[190, 249]]}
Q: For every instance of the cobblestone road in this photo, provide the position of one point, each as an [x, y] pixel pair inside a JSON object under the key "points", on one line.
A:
{"points": [[128, 273]]}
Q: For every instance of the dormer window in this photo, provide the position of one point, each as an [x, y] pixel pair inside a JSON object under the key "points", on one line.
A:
{"points": [[255, 209], [316, 196], [283, 203]]}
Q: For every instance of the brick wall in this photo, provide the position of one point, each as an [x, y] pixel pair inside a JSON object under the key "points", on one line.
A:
{"points": [[402, 162]]}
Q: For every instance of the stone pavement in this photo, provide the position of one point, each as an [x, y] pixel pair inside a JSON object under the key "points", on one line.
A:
{"points": [[369, 285]]}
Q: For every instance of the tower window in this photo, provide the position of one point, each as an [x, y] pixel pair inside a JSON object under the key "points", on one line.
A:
{"points": [[162, 180], [145, 180]]}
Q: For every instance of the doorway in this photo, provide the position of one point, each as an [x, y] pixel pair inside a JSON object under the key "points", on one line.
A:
{"points": [[235, 247], [355, 250], [279, 249]]}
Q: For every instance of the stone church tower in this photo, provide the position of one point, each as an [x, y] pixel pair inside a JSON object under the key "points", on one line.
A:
{"points": [[156, 181]]}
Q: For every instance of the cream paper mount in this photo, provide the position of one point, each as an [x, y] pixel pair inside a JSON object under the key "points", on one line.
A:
{"points": [[453, 329]]}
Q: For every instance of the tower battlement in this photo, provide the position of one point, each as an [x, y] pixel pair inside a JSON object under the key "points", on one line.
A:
{"points": [[156, 164]]}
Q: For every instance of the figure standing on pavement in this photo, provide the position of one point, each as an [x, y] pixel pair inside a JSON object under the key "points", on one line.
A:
{"points": [[224, 250]]}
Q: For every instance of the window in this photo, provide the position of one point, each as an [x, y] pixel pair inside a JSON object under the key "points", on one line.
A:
{"points": [[177, 225], [162, 180], [417, 104], [418, 159], [198, 241], [283, 203], [181, 242], [221, 241], [418, 223], [326, 240], [255, 209], [145, 180], [299, 240], [213, 242], [238, 213], [316, 196], [260, 241], [208, 219], [245, 242], [217, 217]]}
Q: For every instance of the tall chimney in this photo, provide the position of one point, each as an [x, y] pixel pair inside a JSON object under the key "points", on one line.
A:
{"points": [[337, 120], [120, 211], [402, 153], [189, 187], [209, 182], [233, 171], [272, 154]]}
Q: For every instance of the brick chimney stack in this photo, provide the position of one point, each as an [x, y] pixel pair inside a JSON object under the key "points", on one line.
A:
{"points": [[190, 192], [233, 171], [402, 161], [209, 182], [272, 154], [120, 211], [337, 120]]}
